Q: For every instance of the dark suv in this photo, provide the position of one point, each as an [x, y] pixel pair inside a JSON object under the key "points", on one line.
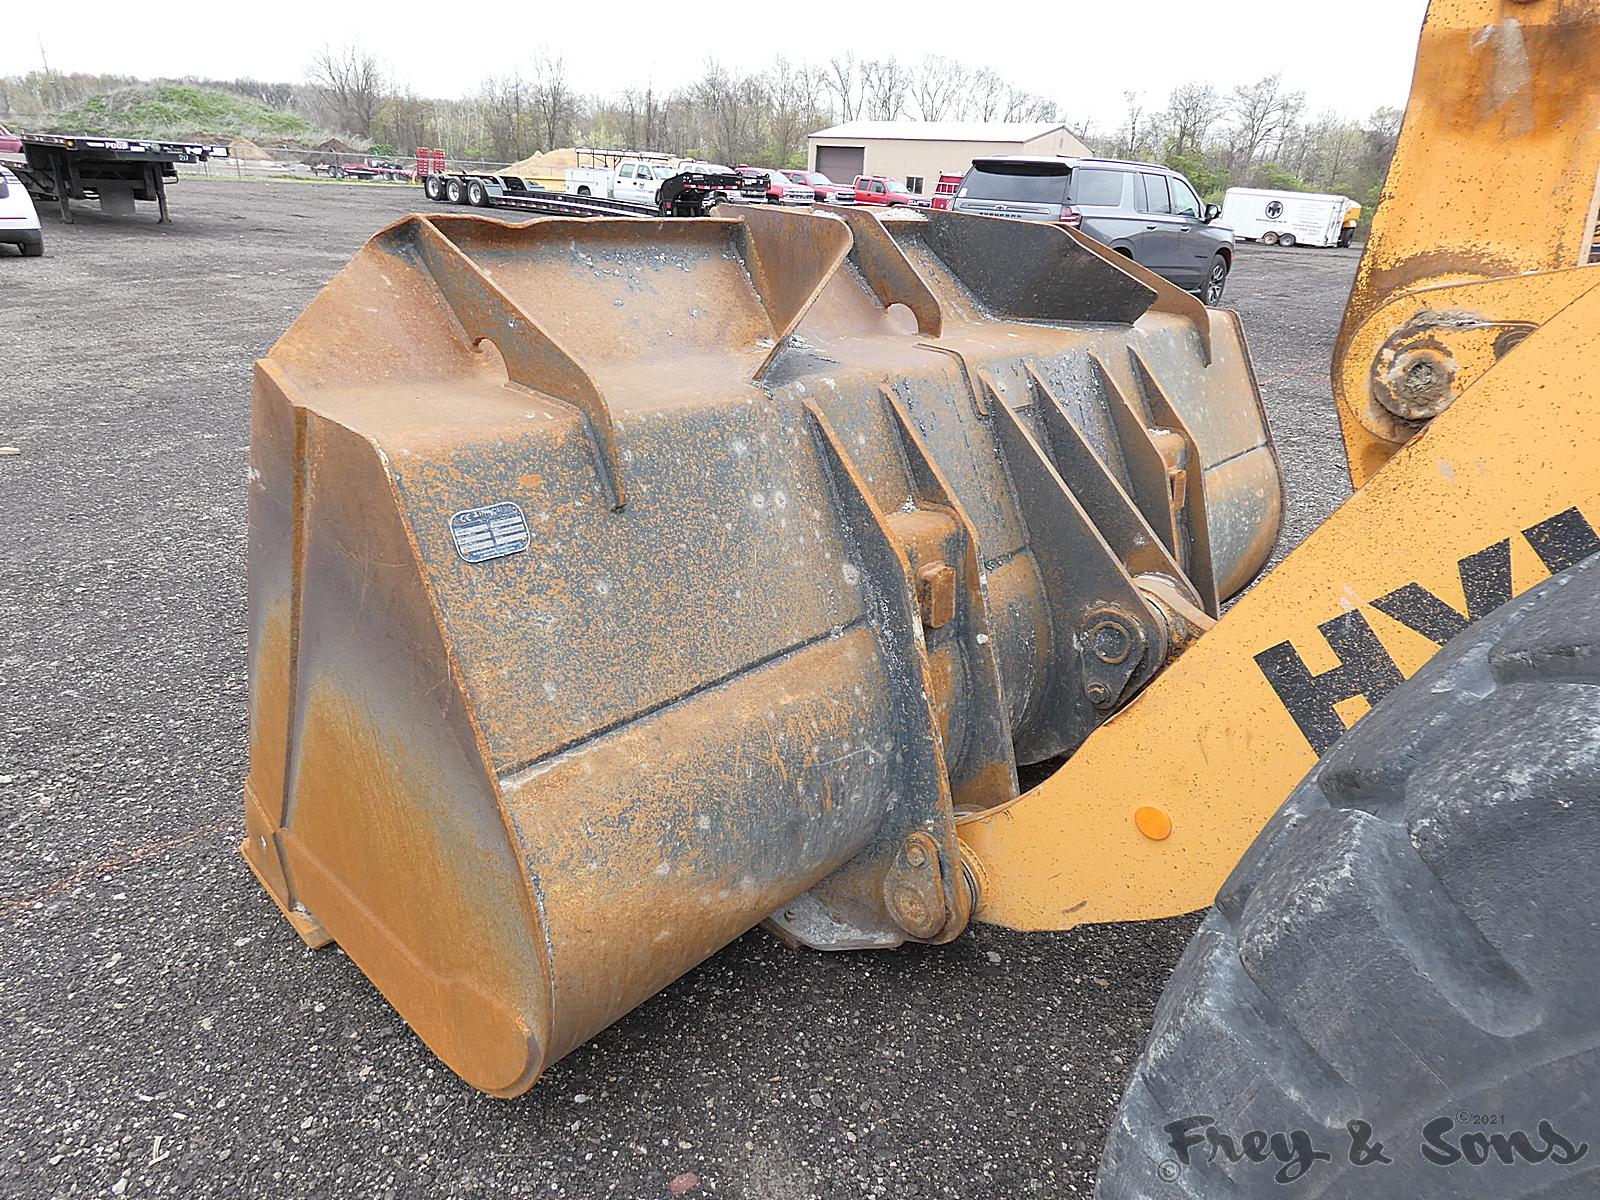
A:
{"points": [[1148, 212]]}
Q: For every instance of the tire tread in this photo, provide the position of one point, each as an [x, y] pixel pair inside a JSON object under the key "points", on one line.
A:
{"points": [[1415, 925]]}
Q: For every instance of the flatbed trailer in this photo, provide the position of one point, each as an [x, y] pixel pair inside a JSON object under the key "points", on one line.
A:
{"points": [[115, 171], [687, 194]]}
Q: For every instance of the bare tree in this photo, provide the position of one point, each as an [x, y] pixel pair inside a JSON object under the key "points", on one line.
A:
{"points": [[1192, 109], [1022, 105], [1332, 147], [506, 102], [352, 84], [1379, 135], [792, 93], [731, 107], [404, 121], [273, 95], [1290, 135], [641, 118], [937, 87], [554, 104], [1134, 132], [985, 95], [1260, 112], [844, 81], [885, 86]]}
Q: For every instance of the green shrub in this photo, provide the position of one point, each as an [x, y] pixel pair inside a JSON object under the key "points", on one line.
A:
{"points": [[1275, 178]]}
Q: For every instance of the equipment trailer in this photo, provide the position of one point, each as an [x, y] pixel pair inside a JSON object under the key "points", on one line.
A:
{"points": [[687, 194], [115, 171]]}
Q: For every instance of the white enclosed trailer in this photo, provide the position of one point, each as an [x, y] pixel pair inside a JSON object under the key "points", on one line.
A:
{"points": [[1288, 218]]}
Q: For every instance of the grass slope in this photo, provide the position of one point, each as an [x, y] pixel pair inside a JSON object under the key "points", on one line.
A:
{"points": [[176, 110]]}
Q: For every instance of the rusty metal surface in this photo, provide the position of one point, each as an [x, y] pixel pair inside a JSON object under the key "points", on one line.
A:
{"points": [[618, 585], [1494, 178]]}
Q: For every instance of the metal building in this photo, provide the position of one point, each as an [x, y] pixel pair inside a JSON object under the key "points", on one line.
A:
{"points": [[917, 151]]}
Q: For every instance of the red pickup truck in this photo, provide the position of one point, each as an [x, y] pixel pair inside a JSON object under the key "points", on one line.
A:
{"points": [[880, 189], [828, 192], [10, 143]]}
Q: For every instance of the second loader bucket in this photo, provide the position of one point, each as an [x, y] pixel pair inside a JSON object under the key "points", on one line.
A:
{"points": [[617, 585]]}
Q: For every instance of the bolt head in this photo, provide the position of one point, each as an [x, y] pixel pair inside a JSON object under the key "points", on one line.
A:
{"points": [[1418, 383], [1110, 641]]}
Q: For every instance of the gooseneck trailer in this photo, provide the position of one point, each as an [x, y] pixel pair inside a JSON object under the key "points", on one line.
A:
{"points": [[692, 192]]}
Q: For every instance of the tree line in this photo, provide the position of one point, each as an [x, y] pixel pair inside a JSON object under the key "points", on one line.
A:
{"points": [[724, 115], [1256, 134]]}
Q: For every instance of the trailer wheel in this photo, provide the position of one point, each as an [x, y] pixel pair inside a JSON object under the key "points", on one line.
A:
{"points": [[1269, 238], [452, 191], [477, 195], [1408, 954], [432, 188], [1286, 239]]}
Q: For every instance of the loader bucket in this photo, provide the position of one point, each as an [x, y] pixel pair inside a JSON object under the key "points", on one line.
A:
{"points": [[618, 585]]}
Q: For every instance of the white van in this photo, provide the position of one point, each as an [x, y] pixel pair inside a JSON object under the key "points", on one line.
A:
{"points": [[1289, 218]]}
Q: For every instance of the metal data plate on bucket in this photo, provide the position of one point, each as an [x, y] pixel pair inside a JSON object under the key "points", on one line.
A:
{"points": [[491, 532]]}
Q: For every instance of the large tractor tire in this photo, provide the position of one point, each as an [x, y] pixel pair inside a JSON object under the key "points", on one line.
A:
{"points": [[1412, 943]]}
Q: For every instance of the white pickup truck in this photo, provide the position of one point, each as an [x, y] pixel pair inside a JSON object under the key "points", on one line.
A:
{"points": [[635, 179]]}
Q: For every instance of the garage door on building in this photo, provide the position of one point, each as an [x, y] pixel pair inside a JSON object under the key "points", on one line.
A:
{"points": [[841, 163]]}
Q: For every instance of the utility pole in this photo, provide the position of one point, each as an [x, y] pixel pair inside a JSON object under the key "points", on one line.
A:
{"points": [[42, 58]]}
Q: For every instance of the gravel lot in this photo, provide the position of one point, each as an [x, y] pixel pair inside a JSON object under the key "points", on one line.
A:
{"points": [[164, 1031]]}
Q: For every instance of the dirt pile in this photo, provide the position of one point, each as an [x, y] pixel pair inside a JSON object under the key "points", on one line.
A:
{"points": [[550, 162], [247, 150]]}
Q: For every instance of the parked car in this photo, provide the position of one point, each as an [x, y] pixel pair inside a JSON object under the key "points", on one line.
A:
{"points": [[1148, 212], [780, 189], [19, 223], [10, 143], [828, 192], [880, 189]]}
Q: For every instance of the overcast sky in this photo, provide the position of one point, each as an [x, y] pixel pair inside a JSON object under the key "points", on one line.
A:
{"points": [[1350, 56]]}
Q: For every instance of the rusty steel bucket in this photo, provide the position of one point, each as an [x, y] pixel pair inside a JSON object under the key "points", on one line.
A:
{"points": [[617, 585]]}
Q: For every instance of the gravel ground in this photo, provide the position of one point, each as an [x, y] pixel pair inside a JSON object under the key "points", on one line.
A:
{"points": [[163, 1030]]}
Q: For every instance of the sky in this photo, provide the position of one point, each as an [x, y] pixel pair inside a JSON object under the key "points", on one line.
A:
{"points": [[1350, 57]]}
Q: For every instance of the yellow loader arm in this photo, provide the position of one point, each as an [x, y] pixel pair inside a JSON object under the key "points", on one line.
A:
{"points": [[1468, 370], [1493, 180]]}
